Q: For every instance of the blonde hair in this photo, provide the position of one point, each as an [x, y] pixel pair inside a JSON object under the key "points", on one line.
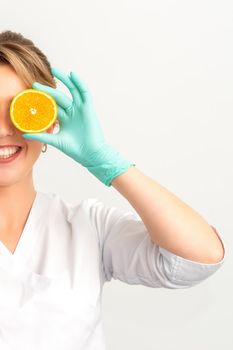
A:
{"points": [[28, 61]]}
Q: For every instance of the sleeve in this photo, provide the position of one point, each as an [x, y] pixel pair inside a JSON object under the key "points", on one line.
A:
{"points": [[129, 255]]}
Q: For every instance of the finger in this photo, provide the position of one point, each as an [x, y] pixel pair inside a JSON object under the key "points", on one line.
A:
{"points": [[59, 97], [62, 116], [44, 137], [81, 86], [69, 84]]}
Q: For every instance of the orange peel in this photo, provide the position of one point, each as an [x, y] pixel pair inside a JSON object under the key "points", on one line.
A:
{"points": [[33, 111]]}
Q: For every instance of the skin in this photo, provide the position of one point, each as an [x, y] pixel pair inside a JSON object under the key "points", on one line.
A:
{"points": [[171, 223], [17, 191]]}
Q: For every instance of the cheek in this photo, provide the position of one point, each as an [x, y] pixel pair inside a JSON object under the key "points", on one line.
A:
{"points": [[23, 165], [33, 150]]}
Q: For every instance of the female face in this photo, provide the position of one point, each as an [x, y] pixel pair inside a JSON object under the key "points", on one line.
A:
{"points": [[21, 166]]}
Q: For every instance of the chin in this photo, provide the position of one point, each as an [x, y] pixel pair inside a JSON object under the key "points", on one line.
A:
{"points": [[8, 182]]}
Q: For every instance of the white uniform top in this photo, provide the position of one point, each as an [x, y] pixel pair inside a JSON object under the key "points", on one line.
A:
{"points": [[50, 295]]}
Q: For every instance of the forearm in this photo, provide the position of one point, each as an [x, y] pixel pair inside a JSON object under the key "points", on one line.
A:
{"points": [[171, 223]]}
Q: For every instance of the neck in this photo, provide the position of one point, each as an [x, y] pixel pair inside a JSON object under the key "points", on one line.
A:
{"points": [[15, 203]]}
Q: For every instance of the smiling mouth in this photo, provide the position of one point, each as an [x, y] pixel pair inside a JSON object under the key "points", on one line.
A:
{"points": [[7, 158]]}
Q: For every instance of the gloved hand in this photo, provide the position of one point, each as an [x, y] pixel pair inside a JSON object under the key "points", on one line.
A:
{"points": [[80, 135]]}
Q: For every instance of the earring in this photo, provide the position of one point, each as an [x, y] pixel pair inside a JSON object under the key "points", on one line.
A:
{"points": [[44, 148]]}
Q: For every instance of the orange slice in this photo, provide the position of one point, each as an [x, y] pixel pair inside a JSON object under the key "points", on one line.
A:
{"points": [[33, 111]]}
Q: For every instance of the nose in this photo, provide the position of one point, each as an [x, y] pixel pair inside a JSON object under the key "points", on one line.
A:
{"points": [[7, 128]]}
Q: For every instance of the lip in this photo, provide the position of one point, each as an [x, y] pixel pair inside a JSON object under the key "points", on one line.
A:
{"points": [[12, 158]]}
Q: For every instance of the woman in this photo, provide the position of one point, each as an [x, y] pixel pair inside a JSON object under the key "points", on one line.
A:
{"points": [[55, 257]]}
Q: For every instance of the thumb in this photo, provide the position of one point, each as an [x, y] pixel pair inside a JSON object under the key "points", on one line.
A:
{"points": [[43, 137]]}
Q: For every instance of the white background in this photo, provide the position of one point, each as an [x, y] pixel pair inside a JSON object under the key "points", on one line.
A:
{"points": [[160, 73]]}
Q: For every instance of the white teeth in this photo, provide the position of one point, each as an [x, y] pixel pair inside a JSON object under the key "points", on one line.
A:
{"points": [[8, 151]]}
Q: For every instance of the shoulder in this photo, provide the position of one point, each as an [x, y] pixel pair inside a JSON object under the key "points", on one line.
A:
{"points": [[58, 206]]}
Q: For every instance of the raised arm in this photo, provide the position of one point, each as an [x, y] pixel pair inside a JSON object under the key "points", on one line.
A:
{"points": [[171, 223]]}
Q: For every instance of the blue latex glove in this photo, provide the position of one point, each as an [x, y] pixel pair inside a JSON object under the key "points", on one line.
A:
{"points": [[80, 135]]}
